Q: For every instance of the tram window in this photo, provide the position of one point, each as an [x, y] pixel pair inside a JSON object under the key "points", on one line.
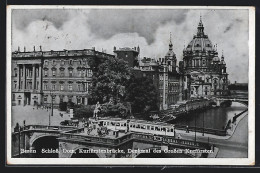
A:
{"points": [[138, 126], [112, 123], [152, 127], [117, 124], [131, 125], [148, 127], [157, 128], [143, 127], [124, 124], [167, 129], [171, 130], [163, 129]]}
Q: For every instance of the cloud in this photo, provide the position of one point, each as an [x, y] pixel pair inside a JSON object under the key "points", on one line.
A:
{"points": [[150, 29]]}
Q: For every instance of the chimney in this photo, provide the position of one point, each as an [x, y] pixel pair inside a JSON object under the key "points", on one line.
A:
{"points": [[24, 49], [18, 48], [40, 48], [114, 48], [34, 48]]}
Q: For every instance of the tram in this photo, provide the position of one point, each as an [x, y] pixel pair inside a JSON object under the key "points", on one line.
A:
{"points": [[142, 126]]}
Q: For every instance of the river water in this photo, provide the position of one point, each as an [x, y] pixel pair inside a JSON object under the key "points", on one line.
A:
{"points": [[215, 118]]}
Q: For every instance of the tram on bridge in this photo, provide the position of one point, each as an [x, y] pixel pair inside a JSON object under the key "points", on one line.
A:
{"points": [[157, 128]]}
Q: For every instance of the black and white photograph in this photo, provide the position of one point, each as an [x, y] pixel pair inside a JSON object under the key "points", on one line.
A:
{"points": [[130, 85]]}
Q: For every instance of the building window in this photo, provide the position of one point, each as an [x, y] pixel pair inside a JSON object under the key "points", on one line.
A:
{"points": [[204, 62], [15, 72], [71, 62], [70, 73], [62, 62], [70, 87], [53, 87], [79, 73], [53, 62], [45, 86], [37, 85], [45, 99], [13, 97], [45, 73], [53, 98], [61, 87], [53, 72], [61, 99], [46, 62], [61, 73], [78, 87], [80, 62]]}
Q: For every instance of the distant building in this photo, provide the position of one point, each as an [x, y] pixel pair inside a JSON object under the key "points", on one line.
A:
{"points": [[129, 55], [40, 76], [204, 72]]}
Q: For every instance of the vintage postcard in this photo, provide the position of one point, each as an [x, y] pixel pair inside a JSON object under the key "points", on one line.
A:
{"points": [[130, 85]]}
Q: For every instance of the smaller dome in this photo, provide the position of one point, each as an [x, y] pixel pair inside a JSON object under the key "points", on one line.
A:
{"points": [[216, 58], [170, 53]]}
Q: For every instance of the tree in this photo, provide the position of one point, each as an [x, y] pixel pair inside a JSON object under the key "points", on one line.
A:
{"points": [[109, 80], [142, 94], [84, 111]]}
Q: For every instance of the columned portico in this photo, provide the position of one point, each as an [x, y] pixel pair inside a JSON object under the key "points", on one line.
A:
{"points": [[33, 77]]}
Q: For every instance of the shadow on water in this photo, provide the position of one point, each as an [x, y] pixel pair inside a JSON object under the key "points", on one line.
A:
{"points": [[215, 118]]}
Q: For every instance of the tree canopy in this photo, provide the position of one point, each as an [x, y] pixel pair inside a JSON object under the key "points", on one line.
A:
{"points": [[109, 80]]}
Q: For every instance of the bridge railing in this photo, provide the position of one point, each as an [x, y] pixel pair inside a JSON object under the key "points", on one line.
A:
{"points": [[201, 130], [47, 128]]}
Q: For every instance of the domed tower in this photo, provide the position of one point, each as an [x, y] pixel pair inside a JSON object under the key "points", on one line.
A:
{"points": [[202, 66], [170, 57]]}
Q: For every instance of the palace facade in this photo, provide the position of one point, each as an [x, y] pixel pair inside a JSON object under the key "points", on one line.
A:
{"points": [[43, 77]]}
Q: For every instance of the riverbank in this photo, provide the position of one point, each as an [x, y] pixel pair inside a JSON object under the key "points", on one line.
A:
{"points": [[207, 137]]}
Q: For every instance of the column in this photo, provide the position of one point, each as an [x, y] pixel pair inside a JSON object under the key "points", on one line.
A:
{"points": [[19, 76], [40, 77], [24, 74], [33, 77]]}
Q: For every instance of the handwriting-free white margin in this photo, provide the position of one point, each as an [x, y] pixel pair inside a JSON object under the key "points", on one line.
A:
{"points": [[136, 161]]}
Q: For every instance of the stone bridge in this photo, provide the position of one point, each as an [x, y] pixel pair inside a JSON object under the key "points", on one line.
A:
{"points": [[68, 142], [225, 99]]}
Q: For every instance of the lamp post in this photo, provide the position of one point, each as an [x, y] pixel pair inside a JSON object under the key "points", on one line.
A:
{"points": [[203, 122], [51, 114], [195, 125]]}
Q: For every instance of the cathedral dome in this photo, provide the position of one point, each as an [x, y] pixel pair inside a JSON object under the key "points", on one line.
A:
{"points": [[200, 42]]}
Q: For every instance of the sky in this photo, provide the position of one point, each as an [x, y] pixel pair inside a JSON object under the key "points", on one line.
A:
{"points": [[58, 29]]}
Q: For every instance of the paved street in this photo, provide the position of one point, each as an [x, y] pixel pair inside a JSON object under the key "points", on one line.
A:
{"points": [[39, 116]]}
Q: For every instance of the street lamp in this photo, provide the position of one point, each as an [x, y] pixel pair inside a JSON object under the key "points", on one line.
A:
{"points": [[203, 122], [51, 114], [195, 125]]}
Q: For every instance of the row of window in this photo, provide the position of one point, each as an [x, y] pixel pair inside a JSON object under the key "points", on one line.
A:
{"points": [[81, 73], [138, 126], [62, 62], [62, 87], [28, 72]]}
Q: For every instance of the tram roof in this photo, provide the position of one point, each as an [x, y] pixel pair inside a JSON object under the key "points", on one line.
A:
{"points": [[135, 121]]}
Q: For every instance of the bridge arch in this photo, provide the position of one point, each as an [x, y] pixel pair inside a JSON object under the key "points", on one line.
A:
{"points": [[46, 146], [36, 136]]}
